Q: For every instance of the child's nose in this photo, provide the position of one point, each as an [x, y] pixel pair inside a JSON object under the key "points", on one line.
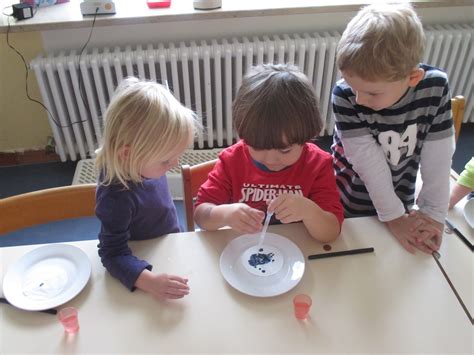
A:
{"points": [[269, 158]]}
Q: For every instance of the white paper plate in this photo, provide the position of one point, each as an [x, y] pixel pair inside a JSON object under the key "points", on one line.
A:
{"points": [[283, 271], [47, 277], [469, 212]]}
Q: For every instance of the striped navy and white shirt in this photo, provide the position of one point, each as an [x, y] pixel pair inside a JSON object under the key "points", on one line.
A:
{"points": [[377, 154]]}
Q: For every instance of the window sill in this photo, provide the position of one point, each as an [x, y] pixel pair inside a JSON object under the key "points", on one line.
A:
{"points": [[68, 15]]}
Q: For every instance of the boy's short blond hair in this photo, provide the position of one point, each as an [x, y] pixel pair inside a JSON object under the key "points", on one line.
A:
{"points": [[382, 42], [147, 119]]}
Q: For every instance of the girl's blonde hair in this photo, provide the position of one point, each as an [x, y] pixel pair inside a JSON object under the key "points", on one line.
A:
{"points": [[144, 118], [382, 42]]}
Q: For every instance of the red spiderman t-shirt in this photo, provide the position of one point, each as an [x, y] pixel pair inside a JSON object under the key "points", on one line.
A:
{"points": [[236, 178]]}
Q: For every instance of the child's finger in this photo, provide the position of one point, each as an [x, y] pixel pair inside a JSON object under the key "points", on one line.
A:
{"points": [[408, 246], [252, 223], [257, 215], [276, 203], [177, 290], [426, 242], [175, 285], [247, 226], [437, 241], [424, 248], [178, 279], [416, 235], [416, 224], [253, 213], [430, 244], [284, 216], [427, 233], [172, 296]]}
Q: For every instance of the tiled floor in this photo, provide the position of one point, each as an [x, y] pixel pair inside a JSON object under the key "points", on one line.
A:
{"points": [[19, 179]]}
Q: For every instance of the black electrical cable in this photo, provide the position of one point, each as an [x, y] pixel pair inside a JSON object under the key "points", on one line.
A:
{"points": [[81, 83], [56, 122]]}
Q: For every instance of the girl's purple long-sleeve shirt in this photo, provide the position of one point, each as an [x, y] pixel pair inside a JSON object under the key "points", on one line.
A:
{"points": [[144, 211]]}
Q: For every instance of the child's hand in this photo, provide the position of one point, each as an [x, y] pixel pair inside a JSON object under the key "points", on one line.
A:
{"points": [[243, 218], [162, 285], [403, 228], [290, 208], [428, 232]]}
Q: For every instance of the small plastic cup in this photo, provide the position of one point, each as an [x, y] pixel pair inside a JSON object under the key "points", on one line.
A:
{"points": [[302, 304], [68, 318]]}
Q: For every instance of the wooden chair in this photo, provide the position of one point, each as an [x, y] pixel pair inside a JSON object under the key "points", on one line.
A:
{"points": [[458, 104], [44, 206], [193, 177]]}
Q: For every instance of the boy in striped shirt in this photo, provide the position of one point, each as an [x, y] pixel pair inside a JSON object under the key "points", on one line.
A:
{"points": [[393, 116]]}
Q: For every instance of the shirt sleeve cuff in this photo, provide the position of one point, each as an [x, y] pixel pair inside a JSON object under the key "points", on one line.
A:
{"points": [[438, 216], [396, 213], [132, 276]]}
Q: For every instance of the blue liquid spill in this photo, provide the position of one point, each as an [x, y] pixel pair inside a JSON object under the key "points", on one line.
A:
{"points": [[261, 259]]}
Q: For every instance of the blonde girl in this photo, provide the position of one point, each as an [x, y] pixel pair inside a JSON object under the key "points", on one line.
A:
{"points": [[146, 130]]}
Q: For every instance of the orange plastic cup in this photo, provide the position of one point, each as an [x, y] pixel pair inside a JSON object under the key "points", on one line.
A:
{"points": [[68, 318], [302, 304]]}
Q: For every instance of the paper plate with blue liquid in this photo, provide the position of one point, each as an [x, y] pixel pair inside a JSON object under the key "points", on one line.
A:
{"points": [[266, 270]]}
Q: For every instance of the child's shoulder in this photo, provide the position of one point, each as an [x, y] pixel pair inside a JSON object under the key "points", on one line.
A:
{"points": [[342, 89], [113, 191], [314, 153], [433, 73], [235, 151]]}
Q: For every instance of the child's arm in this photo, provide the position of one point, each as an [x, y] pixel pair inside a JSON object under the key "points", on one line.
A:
{"points": [[115, 215], [436, 159], [369, 162], [365, 154], [457, 193], [162, 285], [464, 185], [238, 216], [321, 225], [114, 210], [433, 199], [214, 208]]}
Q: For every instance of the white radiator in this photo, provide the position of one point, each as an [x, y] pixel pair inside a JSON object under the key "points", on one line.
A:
{"points": [[205, 76]]}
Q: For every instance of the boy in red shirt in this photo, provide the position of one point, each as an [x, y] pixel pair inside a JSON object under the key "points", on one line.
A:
{"points": [[274, 167]]}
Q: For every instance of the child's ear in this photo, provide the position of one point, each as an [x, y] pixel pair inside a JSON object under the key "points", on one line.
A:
{"points": [[124, 152], [415, 77]]}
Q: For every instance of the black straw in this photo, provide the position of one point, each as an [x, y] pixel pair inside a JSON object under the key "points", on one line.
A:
{"points": [[459, 234], [49, 311], [436, 257], [341, 253]]}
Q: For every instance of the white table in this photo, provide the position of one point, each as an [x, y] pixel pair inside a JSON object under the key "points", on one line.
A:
{"points": [[387, 301]]}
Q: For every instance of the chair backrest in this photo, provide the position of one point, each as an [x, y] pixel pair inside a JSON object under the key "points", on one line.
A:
{"points": [[193, 177], [458, 104], [48, 205]]}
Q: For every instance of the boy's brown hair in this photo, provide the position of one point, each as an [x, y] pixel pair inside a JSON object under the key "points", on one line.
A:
{"points": [[382, 42], [275, 107]]}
